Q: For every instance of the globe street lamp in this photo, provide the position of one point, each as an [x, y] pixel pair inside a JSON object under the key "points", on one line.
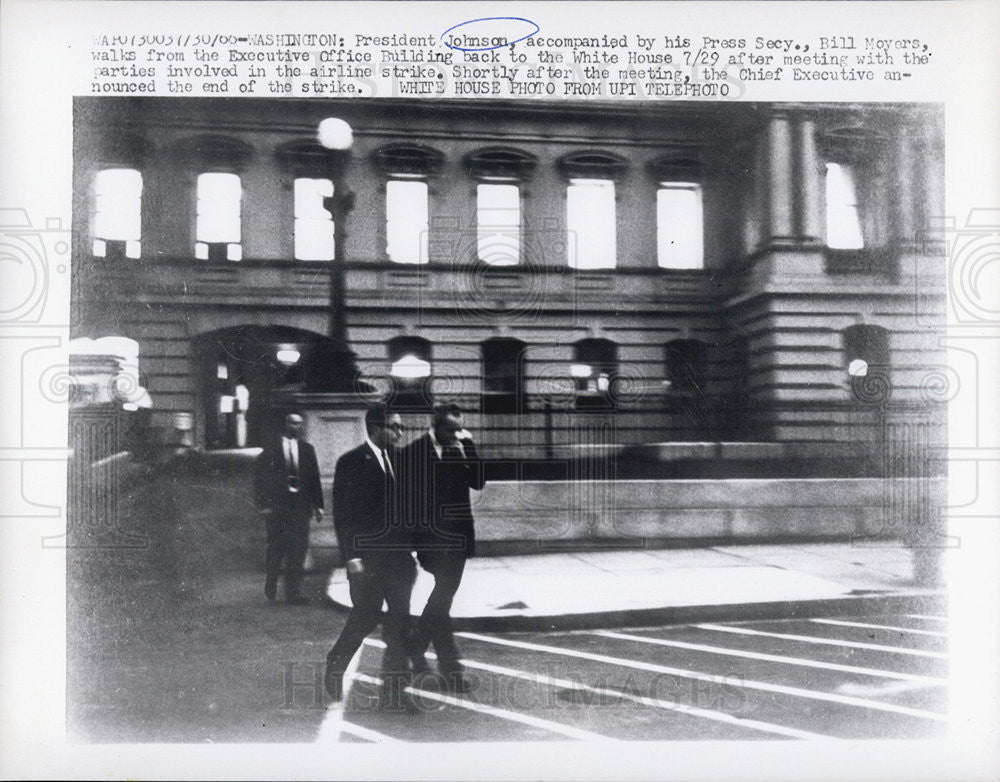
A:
{"points": [[333, 365]]}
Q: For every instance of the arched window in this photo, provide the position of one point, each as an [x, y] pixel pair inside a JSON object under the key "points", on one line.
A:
{"points": [[218, 162], [218, 232], [411, 372], [680, 239], [855, 201], [500, 174], [594, 368], [118, 187], [503, 375], [407, 168], [591, 221], [310, 165]]}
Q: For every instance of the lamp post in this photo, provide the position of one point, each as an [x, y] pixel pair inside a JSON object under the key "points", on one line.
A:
{"points": [[333, 368]]}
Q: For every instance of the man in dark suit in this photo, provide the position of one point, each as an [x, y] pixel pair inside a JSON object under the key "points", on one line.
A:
{"points": [[287, 490], [441, 467], [376, 547]]}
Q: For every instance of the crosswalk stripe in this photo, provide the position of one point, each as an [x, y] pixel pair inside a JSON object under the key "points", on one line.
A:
{"points": [[842, 623], [879, 690], [745, 683], [828, 641], [512, 716], [567, 684], [932, 617], [773, 658], [334, 723], [370, 735]]}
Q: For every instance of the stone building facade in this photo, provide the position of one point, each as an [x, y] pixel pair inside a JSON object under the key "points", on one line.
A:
{"points": [[573, 274]]}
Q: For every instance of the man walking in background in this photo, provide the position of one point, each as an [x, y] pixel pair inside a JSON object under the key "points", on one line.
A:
{"points": [[288, 492], [376, 547], [441, 467]]}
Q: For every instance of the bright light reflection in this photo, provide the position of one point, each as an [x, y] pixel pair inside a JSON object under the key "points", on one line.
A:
{"points": [[410, 366]]}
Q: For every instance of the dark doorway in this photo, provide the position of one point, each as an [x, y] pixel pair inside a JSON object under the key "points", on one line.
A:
{"points": [[241, 372]]}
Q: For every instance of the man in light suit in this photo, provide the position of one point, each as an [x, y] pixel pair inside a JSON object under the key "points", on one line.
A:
{"points": [[376, 546], [441, 467], [288, 492]]}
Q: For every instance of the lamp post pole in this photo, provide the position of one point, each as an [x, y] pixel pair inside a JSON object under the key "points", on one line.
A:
{"points": [[342, 204], [334, 368]]}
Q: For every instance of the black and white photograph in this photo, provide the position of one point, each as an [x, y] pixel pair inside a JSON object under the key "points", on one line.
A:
{"points": [[506, 419], [697, 351]]}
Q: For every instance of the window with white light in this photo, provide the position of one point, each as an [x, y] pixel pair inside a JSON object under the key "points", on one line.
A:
{"points": [[843, 216], [590, 222], [406, 213], [498, 223], [313, 221], [679, 226], [118, 215], [594, 368], [410, 371], [410, 367], [218, 230], [857, 367], [866, 352]]}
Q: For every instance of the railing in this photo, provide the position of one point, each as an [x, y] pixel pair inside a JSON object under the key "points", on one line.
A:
{"points": [[475, 290]]}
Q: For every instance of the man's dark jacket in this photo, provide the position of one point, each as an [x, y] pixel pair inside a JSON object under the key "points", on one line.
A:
{"points": [[271, 476], [440, 510], [366, 515]]}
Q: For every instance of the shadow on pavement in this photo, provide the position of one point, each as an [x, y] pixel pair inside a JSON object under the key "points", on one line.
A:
{"points": [[169, 636]]}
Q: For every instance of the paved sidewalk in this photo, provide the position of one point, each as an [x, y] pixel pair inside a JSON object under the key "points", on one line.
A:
{"points": [[587, 589]]}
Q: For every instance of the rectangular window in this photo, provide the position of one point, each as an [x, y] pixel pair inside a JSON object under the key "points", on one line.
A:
{"points": [[313, 222], [503, 375], [590, 222], [498, 222], [679, 226], [218, 217], [406, 209], [843, 219], [595, 364], [118, 216]]}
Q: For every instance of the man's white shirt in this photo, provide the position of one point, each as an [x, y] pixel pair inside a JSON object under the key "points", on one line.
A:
{"points": [[291, 448], [380, 456]]}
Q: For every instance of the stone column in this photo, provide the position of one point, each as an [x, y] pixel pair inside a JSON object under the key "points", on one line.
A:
{"points": [[932, 184], [811, 222], [781, 212], [906, 195]]}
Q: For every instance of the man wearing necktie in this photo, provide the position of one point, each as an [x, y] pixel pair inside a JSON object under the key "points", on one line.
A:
{"points": [[288, 492], [440, 469], [376, 547]]}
